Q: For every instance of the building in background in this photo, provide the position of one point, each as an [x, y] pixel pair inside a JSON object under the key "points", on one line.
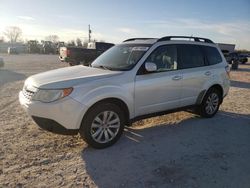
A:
{"points": [[19, 46], [226, 48]]}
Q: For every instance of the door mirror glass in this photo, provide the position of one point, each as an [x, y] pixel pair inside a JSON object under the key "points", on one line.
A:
{"points": [[150, 67]]}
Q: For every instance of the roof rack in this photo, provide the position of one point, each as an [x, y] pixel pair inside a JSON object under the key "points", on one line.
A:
{"points": [[137, 39], [197, 39]]}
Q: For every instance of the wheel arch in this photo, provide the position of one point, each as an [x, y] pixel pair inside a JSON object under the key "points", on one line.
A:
{"points": [[220, 89], [204, 92], [113, 100]]}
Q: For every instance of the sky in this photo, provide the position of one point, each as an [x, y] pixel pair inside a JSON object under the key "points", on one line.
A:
{"points": [[223, 21]]}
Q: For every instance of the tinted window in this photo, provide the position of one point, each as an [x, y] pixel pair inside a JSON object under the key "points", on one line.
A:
{"points": [[165, 58], [190, 56], [213, 56]]}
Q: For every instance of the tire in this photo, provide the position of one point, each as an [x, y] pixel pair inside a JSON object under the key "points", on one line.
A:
{"points": [[210, 103], [74, 63], [96, 128]]}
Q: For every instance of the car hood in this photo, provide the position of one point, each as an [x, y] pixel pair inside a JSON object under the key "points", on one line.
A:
{"points": [[68, 77]]}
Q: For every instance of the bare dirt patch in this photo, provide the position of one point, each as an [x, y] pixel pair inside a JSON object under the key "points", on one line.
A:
{"points": [[175, 150]]}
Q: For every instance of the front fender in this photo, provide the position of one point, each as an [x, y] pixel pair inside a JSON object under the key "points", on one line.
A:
{"points": [[95, 95]]}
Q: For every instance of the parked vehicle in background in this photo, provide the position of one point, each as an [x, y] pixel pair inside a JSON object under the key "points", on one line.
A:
{"points": [[58, 46], [235, 56], [33, 46], [1, 62], [133, 80], [12, 50], [48, 47], [80, 55], [243, 58]]}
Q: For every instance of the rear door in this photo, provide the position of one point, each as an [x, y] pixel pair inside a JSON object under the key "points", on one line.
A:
{"points": [[195, 72]]}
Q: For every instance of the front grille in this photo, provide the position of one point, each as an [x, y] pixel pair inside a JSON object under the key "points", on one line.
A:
{"points": [[28, 94]]}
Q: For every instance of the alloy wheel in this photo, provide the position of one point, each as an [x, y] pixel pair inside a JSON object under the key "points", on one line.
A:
{"points": [[105, 126], [212, 103]]}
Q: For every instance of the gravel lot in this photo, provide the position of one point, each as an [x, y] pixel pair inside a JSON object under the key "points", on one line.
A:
{"points": [[175, 150]]}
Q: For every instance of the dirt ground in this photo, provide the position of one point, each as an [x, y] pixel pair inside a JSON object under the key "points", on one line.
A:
{"points": [[175, 150]]}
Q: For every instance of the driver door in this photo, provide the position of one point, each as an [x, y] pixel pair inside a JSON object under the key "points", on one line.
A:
{"points": [[160, 90]]}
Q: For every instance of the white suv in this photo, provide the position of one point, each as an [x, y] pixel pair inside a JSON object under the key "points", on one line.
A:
{"points": [[139, 78]]}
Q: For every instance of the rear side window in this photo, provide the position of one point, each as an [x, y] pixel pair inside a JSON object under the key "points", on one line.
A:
{"points": [[213, 56], [190, 56]]}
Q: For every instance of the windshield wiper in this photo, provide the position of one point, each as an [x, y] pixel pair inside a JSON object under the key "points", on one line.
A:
{"points": [[104, 67]]}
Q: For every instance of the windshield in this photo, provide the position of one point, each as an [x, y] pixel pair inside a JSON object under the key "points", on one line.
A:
{"points": [[121, 57]]}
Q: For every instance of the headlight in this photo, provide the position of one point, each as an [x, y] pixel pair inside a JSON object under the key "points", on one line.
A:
{"points": [[50, 95]]}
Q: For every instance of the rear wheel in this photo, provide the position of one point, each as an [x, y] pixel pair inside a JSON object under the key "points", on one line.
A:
{"points": [[210, 103], [103, 125]]}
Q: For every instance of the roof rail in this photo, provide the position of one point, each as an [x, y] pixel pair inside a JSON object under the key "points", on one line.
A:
{"points": [[137, 39], [197, 39]]}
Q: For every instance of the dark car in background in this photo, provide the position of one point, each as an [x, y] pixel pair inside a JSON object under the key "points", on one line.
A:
{"points": [[235, 56], [243, 58]]}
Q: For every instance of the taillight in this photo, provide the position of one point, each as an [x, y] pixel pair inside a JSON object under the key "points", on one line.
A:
{"points": [[67, 52], [227, 68]]}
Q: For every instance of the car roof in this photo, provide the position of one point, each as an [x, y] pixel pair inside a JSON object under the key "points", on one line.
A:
{"points": [[187, 39]]}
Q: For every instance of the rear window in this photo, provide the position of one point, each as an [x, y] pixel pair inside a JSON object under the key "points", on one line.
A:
{"points": [[190, 56], [213, 56]]}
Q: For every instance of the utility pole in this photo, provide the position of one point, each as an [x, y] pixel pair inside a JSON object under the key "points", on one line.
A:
{"points": [[90, 34]]}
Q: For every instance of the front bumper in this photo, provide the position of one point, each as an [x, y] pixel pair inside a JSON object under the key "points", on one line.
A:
{"points": [[61, 59], [66, 112], [65, 59], [52, 126]]}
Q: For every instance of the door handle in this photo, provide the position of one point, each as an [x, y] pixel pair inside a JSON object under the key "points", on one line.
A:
{"points": [[177, 78], [208, 73]]}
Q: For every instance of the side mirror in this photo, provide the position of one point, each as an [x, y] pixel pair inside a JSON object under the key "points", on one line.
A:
{"points": [[150, 67]]}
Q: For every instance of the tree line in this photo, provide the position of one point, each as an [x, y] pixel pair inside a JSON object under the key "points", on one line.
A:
{"points": [[14, 35]]}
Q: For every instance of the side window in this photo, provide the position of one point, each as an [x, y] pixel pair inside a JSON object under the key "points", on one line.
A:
{"points": [[213, 56], [165, 58], [190, 56]]}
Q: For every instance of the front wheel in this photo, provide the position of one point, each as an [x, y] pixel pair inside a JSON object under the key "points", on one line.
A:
{"points": [[103, 125], [74, 63], [210, 103]]}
